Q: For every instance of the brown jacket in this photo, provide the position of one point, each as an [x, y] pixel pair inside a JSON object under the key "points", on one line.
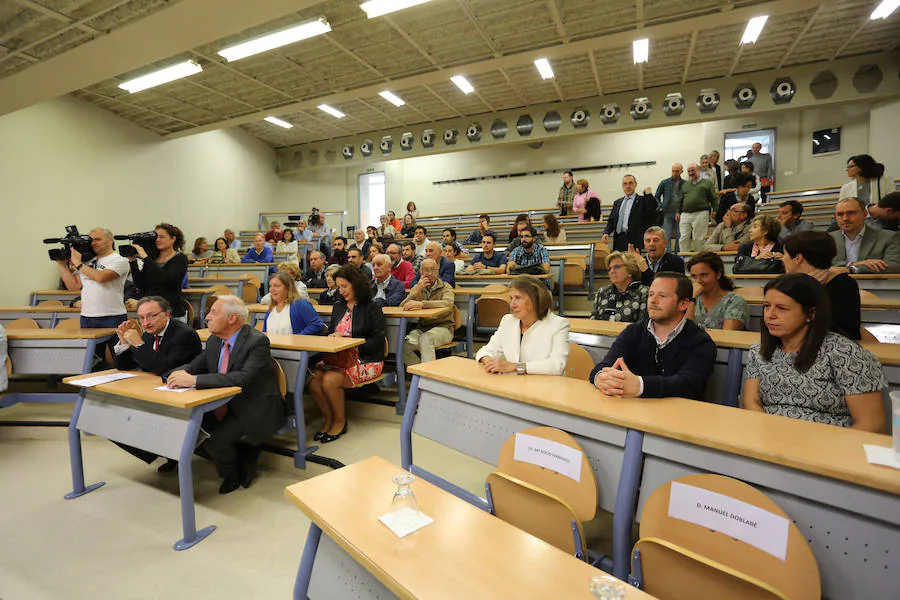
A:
{"points": [[439, 296]]}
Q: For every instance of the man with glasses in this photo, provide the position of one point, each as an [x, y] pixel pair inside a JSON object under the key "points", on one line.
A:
{"points": [[861, 248], [664, 355], [733, 231], [401, 270]]}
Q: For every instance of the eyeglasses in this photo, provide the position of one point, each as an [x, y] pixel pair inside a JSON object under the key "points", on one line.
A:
{"points": [[150, 316]]}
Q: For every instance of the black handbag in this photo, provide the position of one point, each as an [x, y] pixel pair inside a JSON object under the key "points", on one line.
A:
{"points": [[747, 265]]}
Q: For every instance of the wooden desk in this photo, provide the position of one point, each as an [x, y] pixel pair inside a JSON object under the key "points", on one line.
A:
{"points": [[234, 284], [477, 555], [261, 270], [817, 473], [131, 412], [292, 352], [64, 296], [46, 316]]}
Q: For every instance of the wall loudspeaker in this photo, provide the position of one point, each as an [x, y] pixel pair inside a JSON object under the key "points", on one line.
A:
{"points": [[744, 95], [499, 129], [347, 151], [428, 138], [580, 117], [525, 125], [673, 105], [450, 136], [640, 109], [708, 100], [552, 121], [610, 113], [366, 148], [387, 144], [782, 90], [406, 141], [473, 132]]}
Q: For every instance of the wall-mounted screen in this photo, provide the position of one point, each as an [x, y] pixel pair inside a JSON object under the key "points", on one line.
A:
{"points": [[826, 140]]}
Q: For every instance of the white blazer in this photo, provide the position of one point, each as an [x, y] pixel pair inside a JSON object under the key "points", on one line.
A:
{"points": [[544, 348], [849, 190]]}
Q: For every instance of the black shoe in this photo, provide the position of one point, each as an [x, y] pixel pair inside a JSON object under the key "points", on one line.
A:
{"points": [[168, 466], [319, 435], [249, 459], [327, 439], [229, 485]]}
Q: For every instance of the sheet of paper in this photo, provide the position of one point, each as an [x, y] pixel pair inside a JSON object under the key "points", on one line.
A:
{"points": [[404, 522], [882, 456], [753, 525], [163, 388], [101, 379], [548, 454]]}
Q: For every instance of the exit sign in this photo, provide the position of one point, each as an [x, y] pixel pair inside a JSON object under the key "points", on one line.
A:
{"points": [[750, 126]]}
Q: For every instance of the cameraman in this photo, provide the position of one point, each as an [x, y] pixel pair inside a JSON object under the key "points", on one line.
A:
{"points": [[163, 275], [101, 281]]}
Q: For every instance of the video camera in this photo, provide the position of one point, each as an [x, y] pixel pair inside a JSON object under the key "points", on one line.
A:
{"points": [[145, 239], [72, 239]]}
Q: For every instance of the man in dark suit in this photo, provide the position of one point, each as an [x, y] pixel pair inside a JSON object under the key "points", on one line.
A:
{"points": [[235, 355], [631, 215], [315, 274], [657, 259]]}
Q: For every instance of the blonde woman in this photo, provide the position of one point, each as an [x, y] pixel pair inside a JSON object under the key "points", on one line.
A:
{"points": [[625, 298]]}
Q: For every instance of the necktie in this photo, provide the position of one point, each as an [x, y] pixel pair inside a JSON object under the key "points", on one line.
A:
{"points": [[622, 225], [223, 368], [155, 343]]}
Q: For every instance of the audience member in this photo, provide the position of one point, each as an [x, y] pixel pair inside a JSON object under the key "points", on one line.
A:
{"points": [[522, 221], [446, 268], [448, 235], [789, 213], [662, 356], [452, 252], [412, 210], [201, 252], [420, 240], [566, 194], [287, 245], [164, 343], [716, 305], [338, 251], [811, 253], [739, 195], [164, 275], [885, 214], [429, 292], [764, 241], [274, 233], [488, 261], [385, 227], [292, 269], [375, 248], [553, 233], [289, 313], [707, 172], [658, 258], [581, 199], [387, 290], [530, 258], [531, 339], [233, 243], [668, 202], [401, 270], [625, 298], [861, 248], [394, 222], [715, 169], [235, 355], [868, 183], [801, 370], [630, 217], [411, 256], [315, 273], [355, 258], [355, 314], [223, 255], [330, 295], [320, 232], [303, 234], [733, 231], [259, 253], [361, 242], [763, 168], [409, 226], [747, 169], [698, 200], [484, 225]]}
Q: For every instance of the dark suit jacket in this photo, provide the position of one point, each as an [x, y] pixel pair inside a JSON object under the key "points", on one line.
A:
{"points": [[368, 322], [312, 280], [669, 262], [643, 215], [259, 408], [394, 293], [178, 346]]}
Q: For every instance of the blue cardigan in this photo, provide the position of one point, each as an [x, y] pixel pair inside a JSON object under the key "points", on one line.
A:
{"points": [[304, 319]]}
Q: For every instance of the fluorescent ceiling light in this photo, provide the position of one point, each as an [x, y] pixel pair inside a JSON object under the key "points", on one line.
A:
{"points": [[463, 84], [544, 68], [392, 98], [885, 9], [279, 122], [331, 111], [376, 8], [276, 40], [641, 50], [754, 28], [188, 67]]}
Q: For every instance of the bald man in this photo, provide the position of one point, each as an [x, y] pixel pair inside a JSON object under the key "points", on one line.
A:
{"points": [[429, 292], [446, 268], [387, 290]]}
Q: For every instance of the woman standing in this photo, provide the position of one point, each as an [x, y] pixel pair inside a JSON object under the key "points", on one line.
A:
{"points": [[354, 315], [223, 255], [288, 312], [802, 371], [531, 339], [763, 239], [716, 305], [553, 233], [583, 195], [625, 298], [868, 183], [163, 276]]}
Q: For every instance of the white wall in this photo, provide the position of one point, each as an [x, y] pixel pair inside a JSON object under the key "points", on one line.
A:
{"points": [[65, 162], [883, 132], [411, 178]]}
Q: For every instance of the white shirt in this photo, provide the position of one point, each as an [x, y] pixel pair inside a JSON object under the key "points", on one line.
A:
{"points": [[544, 347], [852, 246], [104, 299], [420, 248], [121, 346], [279, 322], [301, 289]]}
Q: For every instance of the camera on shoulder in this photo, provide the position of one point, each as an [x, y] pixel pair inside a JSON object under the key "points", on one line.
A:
{"points": [[144, 239], [72, 239]]}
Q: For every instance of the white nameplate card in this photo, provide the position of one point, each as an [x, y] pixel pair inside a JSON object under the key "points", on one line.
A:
{"points": [[549, 455], [735, 518], [101, 379], [163, 388], [882, 455]]}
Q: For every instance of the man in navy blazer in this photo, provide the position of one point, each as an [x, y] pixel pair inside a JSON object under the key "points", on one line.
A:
{"points": [[256, 413], [446, 268], [164, 344], [657, 259], [386, 290], [638, 212]]}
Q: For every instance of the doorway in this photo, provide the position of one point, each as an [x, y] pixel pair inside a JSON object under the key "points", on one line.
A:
{"points": [[371, 199]]}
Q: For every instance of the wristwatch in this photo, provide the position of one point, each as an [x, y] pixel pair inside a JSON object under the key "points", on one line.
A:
{"points": [[78, 268], [520, 369]]}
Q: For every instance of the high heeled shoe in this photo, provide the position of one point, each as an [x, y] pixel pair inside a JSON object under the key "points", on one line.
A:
{"points": [[327, 439]]}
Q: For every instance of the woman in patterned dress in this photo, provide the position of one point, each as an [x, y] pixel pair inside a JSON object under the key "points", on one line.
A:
{"points": [[355, 314], [625, 298], [802, 370], [716, 305]]}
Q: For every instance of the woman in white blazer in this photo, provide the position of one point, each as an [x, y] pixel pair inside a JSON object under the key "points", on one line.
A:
{"points": [[868, 175], [530, 340]]}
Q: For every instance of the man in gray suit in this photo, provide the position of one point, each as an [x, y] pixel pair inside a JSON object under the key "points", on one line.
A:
{"points": [[861, 248], [235, 355]]}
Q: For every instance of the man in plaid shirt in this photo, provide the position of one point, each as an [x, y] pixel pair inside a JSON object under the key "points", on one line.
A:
{"points": [[530, 258], [566, 194]]}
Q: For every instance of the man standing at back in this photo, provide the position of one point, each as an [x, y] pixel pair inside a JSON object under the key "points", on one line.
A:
{"points": [[668, 201], [763, 168], [698, 200], [630, 217], [566, 194], [235, 355], [662, 356]]}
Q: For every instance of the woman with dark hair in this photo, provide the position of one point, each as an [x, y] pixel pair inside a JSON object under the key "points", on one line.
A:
{"points": [[412, 210], [201, 252], [163, 275], [222, 254], [409, 226], [331, 295], [288, 312], [288, 245], [553, 233], [354, 315], [747, 169], [868, 183], [716, 305], [800, 369], [764, 241], [531, 339], [522, 221], [811, 252]]}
